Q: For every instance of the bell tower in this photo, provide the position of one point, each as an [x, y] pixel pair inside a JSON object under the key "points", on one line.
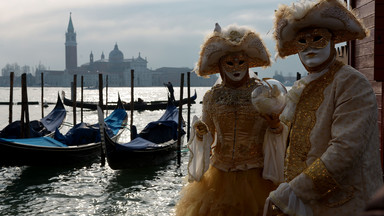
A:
{"points": [[70, 46], [91, 58]]}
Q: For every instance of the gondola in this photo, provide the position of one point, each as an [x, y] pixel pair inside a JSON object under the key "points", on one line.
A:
{"points": [[138, 105], [38, 128], [80, 144], [154, 145]]}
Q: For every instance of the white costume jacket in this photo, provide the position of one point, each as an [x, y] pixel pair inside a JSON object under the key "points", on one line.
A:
{"points": [[333, 160]]}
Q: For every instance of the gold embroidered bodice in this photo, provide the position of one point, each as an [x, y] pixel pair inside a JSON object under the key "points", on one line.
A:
{"points": [[240, 128]]}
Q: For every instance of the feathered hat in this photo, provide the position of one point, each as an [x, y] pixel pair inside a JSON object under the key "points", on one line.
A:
{"points": [[231, 39], [330, 14]]}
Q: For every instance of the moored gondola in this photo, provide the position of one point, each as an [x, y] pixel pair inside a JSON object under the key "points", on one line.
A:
{"points": [[138, 105], [38, 128], [154, 145], [81, 144]]}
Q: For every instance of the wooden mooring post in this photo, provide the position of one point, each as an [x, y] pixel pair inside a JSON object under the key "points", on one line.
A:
{"points": [[106, 95], [101, 91], [74, 98], [82, 99], [132, 102], [103, 151], [189, 105], [179, 128], [42, 95], [24, 120], [11, 77]]}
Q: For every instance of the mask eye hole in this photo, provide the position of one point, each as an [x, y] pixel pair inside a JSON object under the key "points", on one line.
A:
{"points": [[229, 63], [302, 40], [317, 38], [241, 62]]}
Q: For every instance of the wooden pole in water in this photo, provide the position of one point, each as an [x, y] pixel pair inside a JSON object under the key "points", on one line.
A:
{"points": [[189, 104], [42, 95], [24, 108], [12, 75], [22, 123], [132, 99], [74, 97], [106, 95], [101, 91], [179, 129], [82, 99], [102, 108]]}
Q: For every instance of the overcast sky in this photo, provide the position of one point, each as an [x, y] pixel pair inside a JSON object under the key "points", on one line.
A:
{"points": [[166, 32]]}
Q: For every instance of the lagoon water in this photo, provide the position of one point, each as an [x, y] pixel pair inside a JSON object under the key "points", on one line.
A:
{"points": [[90, 189]]}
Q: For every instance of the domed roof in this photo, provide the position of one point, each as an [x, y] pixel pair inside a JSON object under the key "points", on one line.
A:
{"points": [[116, 55]]}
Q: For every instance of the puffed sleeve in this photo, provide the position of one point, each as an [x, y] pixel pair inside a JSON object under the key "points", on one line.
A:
{"points": [[354, 120], [207, 110]]}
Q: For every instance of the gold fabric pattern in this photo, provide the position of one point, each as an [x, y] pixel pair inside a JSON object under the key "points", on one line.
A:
{"points": [[322, 179], [233, 97], [326, 185], [240, 128], [304, 121]]}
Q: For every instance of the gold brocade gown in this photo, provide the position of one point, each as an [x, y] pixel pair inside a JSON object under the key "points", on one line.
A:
{"points": [[233, 184]]}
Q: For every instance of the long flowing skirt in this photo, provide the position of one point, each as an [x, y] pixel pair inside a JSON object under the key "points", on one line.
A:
{"points": [[225, 193]]}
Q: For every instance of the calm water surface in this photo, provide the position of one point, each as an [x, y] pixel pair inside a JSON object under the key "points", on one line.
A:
{"points": [[90, 189]]}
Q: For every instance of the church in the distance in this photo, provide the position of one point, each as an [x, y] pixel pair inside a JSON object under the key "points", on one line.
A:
{"points": [[116, 67]]}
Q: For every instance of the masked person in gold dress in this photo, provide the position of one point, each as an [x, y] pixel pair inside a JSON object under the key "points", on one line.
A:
{"points": [[226, 145], [332, 164]]}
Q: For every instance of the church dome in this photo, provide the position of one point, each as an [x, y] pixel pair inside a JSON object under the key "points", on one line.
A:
{"points": [[116, 55]]}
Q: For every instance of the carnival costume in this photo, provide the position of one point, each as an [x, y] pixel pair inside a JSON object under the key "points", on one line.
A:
{"points": [[332, 165], [228, 181]]}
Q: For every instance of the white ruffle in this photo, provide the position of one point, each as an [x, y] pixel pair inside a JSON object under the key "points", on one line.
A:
{"points": [[199, 157], [293, 95], [274, 151]]}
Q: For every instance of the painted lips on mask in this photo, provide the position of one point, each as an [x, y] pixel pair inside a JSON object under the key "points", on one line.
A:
{"points": [[313, 57], [234, 66]]}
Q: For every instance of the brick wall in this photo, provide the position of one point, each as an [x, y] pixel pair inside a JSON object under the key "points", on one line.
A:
{"points": [[367, 55]]}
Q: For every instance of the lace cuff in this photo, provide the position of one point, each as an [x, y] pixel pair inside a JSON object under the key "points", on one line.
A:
{"points": [[287, 201]]}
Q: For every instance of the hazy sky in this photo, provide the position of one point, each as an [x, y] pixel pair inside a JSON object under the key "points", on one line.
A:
{"points": [[166, 32]]}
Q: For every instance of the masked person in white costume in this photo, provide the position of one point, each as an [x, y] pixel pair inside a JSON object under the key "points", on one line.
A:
{"points": [[332, 164], [226, 146]]}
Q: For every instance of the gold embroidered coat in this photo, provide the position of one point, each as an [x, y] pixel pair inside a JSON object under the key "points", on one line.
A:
{"points": [[333, 158]]}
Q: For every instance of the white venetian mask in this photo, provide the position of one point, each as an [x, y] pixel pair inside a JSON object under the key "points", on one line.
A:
{"points": [[313, 57], [234, 65]]}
